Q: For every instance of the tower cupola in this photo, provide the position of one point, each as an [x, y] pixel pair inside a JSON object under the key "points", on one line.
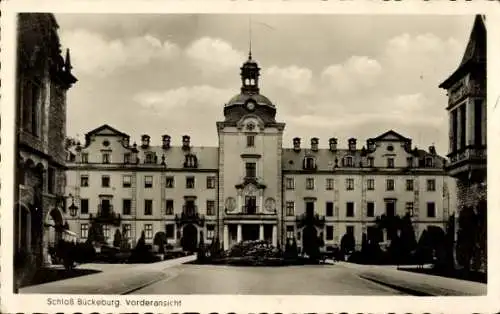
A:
{"points": [[250, 73]]}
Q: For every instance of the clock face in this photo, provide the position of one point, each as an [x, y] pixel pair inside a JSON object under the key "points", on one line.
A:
{"points": [[250, 105]]}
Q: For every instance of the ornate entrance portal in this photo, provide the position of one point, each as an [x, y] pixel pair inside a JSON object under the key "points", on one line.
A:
{"points": [[190, 238], [251, 232]]}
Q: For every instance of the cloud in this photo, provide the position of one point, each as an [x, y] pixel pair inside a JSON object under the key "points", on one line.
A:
{"points": [[355, 73], [194, 97], [214, 55], [93, 54], [292, 79]]}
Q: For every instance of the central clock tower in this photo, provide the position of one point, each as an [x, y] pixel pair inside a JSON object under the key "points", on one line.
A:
{"points": [[250, 148]]}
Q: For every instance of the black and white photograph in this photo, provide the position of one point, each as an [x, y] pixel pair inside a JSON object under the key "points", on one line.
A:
{"points": [[248, 154]]}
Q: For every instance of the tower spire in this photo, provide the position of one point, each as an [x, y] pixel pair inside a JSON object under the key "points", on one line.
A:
{"points": [[250, 38], [67, 63]]}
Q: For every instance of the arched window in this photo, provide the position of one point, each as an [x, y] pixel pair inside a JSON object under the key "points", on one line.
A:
{"points": [[309, 163]]}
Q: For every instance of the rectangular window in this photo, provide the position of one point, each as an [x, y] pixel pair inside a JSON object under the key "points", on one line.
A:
{"points": [[409, 185], [478, 122], [309, 208], [349, 229], [85, 158], [84, 204], [210, 208], [431, 209], [370, 209], [105, 181], [148, 207], [84, 181], [390, 184], [409, 208], [390, 209], [149, 159], [349, 184], [148, 182], [127, 207], [126, 158], [127, 181], [329, 184], [210, 231], [51, 178], [169, 207], [329, 209], [290, 208], [390, 162], [105, 231], [84, 231], [169, 182], [189, 182], [250, 140], [211, 182], [169, 231], [290, 183], [329, 233], [148, 231], [310, 183], [431, 185], [370, 184], [251, 169], [463, 123], [349, 209], [454, 131], [290, 232], [127, 231], [106, 158]]}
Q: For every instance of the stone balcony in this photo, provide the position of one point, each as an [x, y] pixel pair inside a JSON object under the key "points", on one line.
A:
{"points": [[470, 159]]}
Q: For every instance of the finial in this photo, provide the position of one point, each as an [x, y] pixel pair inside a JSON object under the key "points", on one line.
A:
{"points": [[250, 38], [67, 63]]}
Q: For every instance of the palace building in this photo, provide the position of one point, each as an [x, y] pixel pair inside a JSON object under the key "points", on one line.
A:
{"points": [[250, 186], [43, 78]]}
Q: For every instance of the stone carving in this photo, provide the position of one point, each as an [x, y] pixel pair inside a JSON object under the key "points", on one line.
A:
{"points": [[270, 204], [230, 203]]}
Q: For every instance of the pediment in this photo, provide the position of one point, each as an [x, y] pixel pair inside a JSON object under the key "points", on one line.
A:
{"points": [[251, 123], [391, 136], [106, 130]]}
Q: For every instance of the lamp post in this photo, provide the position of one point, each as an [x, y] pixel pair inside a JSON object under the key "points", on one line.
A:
{"points": [[73, 209]]}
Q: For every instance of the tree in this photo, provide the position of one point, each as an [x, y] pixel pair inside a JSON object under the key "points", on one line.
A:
{"points": [[160, 239], [347, 243], [117, 241], [96, 234], [467, 230]]}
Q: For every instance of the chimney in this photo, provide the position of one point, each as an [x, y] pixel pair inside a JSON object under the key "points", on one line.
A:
{"points": [[352, 144], [296, 144], [165, 141], [186, 142], [145, 141], [432, 150], [314, 144], [333, 144], [370, 144]]}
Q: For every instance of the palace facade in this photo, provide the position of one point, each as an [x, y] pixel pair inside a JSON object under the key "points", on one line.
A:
{"points": [[250, 186], [43, 78]]}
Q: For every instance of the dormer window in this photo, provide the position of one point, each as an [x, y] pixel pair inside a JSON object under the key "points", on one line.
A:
{"points": [[106, 158], [409, 162], [390, 162], [370, 162], [191, 161], [250, 140], [126, 158], [309, 163], [348, 162], [429, 162], [150, 158], [85, 158]]}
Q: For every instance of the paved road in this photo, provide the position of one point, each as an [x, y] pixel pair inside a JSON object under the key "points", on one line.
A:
{"points": [[305, 280]]}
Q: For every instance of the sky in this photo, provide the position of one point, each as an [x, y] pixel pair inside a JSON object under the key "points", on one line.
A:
{"points": [[328, 75]]}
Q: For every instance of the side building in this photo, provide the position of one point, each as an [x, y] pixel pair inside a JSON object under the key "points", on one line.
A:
{"points": [[466, 89], [43, 78], [250, 187]]}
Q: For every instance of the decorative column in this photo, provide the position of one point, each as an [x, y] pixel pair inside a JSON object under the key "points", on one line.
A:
{"points": [[226, 237], [239, 202], [275, 235], [261, 232], [260, 208], [238, 234]]}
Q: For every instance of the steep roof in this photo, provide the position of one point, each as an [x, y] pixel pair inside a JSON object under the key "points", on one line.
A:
{"points": [[475, 52]]}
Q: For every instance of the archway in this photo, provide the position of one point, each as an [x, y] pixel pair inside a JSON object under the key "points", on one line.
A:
{"points": [[310, 240], [54, 224], [189, 238]]}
